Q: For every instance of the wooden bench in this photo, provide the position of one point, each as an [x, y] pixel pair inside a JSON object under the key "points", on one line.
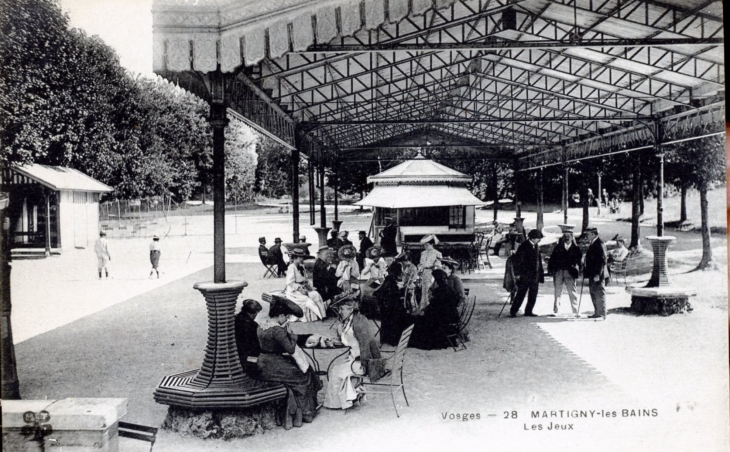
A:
{"points": [[138, 432]]}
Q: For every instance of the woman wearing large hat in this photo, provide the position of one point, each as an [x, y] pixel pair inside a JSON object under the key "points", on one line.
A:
{"points": [[430, 260], [375, 267], [363, 358], [282, 361], [347, 271], [300, 291]]}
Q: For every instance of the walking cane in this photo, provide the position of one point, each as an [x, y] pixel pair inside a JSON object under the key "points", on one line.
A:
{"points": [[582, 283], [509, 299]]}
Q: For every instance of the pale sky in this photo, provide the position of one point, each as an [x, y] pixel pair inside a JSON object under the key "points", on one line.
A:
{"points": [[125, 25]]}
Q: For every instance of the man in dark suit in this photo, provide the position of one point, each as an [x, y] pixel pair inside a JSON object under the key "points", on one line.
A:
{"points": [[276, 257], [596, 270], [528, 272], [323, 274], [334, 241], [365, 243], [387, 238]]}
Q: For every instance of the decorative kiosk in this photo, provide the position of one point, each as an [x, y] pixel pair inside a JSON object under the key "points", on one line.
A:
{"points": [[423, 197]]}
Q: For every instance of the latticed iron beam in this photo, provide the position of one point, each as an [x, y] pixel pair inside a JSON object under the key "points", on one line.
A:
{"points": [[512, 45]]}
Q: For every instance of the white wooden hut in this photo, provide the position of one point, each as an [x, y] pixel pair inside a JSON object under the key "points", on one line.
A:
{"points": [[65, 196]]}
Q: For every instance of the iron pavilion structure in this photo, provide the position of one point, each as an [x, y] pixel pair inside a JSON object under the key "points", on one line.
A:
{"points": [[536, 83]]}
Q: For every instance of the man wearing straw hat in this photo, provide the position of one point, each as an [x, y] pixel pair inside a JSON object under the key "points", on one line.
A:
{"points": [[564, 266], [101, 248], [276, 257]]}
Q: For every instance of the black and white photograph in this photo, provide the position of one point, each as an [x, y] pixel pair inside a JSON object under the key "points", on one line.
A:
{"points": [[364, 225]]}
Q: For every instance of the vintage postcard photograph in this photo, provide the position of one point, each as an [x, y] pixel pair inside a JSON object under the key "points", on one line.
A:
{"points": [[363, 225]]}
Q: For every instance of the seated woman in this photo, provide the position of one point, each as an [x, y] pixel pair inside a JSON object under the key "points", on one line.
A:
{"points": [[277, 364], [347, 271], [354, 331], [450, 266], [374, 267], [393, 314], [247, 340], [428, 334], [300, 291]]}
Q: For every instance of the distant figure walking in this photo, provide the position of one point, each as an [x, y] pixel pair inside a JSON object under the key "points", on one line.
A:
{"points": [[155, 251], [101, 248]]}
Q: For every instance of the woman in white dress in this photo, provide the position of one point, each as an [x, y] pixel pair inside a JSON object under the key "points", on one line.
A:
{"points": [[300, 291], [355, 332], [375, 267], [430, 261], [348, 272]]}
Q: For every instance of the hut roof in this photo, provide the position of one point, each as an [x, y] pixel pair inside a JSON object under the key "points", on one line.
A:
{"points": [[61, 178], [420, 170]]}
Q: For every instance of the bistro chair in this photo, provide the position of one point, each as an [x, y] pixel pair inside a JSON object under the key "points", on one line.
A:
{"points": [[271, 269], [392, 380], [454, 332]]}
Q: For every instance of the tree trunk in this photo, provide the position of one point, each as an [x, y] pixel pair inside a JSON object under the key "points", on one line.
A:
{"points": [[636, 207], [10, 384], [683, 204], [707, 261], [585, 204]]}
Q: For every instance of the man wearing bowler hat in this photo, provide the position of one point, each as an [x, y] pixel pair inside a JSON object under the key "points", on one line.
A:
{"points": [[323, 274], [596, 270], [277, 257], [528, 272]]}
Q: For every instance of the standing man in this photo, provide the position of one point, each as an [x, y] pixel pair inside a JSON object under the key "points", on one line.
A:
{"points": [[528, 272], [277, 257], [334, 241], [155, 251], [564, 265], [365, 243], [343, 237], [596, 270], [101, 248], [387, 238]]}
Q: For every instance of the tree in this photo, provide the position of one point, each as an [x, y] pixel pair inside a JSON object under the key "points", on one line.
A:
{"points": [[705, 164], [241, 162], [273, 169]]}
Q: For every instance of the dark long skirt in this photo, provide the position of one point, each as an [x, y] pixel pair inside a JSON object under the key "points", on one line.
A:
{"points": [[303, 387]]}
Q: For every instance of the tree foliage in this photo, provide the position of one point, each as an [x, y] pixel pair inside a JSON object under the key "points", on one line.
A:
{"points": [[241, 162]]}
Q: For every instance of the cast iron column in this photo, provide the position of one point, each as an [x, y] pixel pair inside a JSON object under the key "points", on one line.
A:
{"points": [[295, 192], [218, 122], [565, 188], [337, 182], [660, 189], [322, 211]]}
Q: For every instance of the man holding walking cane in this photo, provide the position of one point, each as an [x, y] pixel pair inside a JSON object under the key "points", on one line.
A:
{"points": [[596, 270]]}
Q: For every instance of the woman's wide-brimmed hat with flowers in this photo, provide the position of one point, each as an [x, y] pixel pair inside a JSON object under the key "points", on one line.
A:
{"points": [[347, 252], [374, 252], [430, 238]]}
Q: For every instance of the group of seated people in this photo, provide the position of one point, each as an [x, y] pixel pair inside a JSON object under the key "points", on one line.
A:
{"points": [[275, 256], [395, 291], [278, 357]]}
